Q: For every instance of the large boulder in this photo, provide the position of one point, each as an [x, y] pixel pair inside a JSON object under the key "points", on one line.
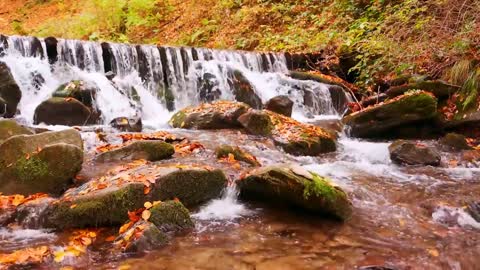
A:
{"points": [[383, 119], [215, 115], [9, 91], [293, 137], [127, 124], [78, 90], [44, 162], [293, 185], [10, 128], [454, 142], [280, 104], [171, 216], [243, 90], [410, 153], [63, 111], [106, 200], [149, 150]]}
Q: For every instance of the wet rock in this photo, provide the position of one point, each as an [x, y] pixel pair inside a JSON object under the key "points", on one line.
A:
{"points": [[148, 150], [438, 88], [280, 104], [454, 142], [293, 185], [224, 151], [10, 128], [340, 98], [292, 136], [63, 111], [32, 214], [474, 210], [171, 216], [257, 122], [3, 107], [78, 90], [127, 124], [142, 236], [44, 162], [383, 119], [244, 91], [106, 201], [110, 75], [9, 91], [215, 115], [208, 87], [467, 124], [410, 153]]}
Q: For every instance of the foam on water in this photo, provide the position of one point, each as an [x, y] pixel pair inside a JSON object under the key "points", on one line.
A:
{"points": [[226, 208], [18, 238], [454, 216]]}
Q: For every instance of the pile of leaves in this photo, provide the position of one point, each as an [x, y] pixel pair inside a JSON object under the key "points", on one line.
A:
{"points": [[77, 245], [12, 201], [219, 106], [185, 147], [27, 256]]}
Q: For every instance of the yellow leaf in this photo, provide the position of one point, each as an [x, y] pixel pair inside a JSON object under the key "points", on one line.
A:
{"points": [[156, 202], [59, 256], [433, 252], [146, 215], [147, 205], [124, 267]]}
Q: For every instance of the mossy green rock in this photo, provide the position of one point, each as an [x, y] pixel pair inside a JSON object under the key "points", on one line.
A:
{"points": [[384, 118], [293, 185], [171, 216], [224, 150], [142, 236], [77, 90], [63, 111], [215, 115], [106, 200], [10, 128], [257, 122], [149, 150], [50, 170], [439, 88], [44, 162], [454, 142]]}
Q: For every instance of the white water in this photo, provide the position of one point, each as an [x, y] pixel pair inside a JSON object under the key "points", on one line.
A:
{"points": [[226, 208], [452, 216], [15, 238], [141, 70]]}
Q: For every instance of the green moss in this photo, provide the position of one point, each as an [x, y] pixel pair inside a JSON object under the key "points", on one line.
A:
{"points": [[319, 187], [156, 150], [31, 169], [178, 119], [171, 215]]}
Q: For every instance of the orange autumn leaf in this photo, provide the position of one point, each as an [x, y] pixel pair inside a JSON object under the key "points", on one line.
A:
{"points": [[125, 227], [110, 238]]}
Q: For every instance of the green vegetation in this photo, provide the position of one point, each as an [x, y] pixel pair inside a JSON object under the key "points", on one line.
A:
{"points": [[320, 187]]}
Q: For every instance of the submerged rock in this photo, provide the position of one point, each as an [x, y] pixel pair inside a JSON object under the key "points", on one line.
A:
{"points": [[44, 162], [127, 124], [10, 128], [171, 216], [149, 150], [63, 111], [454, 142], [215, 115], [141, 236], [9, 91], [281, 105], [295, 186], [224, 151], [106, 201], [384, 118], [410, 153]]}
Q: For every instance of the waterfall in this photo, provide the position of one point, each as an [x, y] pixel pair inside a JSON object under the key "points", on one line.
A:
{"points": [[150, 81]]}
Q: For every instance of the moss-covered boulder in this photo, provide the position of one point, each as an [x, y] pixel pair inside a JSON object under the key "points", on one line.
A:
{"points": [[257, 122], [78, 90], [106, 200], [215, 115], [63, 111], [223, 151], [410, 153], [294, 186], [10, 128], [44, 162], [454, 142], [141, 236], [439, 89], [383, 119], [149, 150], [127, 124], [9, 91], [280, 104], [171, 216]]}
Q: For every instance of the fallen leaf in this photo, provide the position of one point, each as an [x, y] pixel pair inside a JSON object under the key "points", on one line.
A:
{"points": [[146, 215]]}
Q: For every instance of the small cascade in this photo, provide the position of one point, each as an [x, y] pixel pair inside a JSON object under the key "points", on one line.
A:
{"points": [[150, 81]]}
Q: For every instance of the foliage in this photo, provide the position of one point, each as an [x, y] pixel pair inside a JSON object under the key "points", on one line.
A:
{"points": [[320, 187]]}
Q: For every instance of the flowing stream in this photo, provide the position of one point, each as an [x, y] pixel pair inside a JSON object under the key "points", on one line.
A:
{"points": [[404, 217]]}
